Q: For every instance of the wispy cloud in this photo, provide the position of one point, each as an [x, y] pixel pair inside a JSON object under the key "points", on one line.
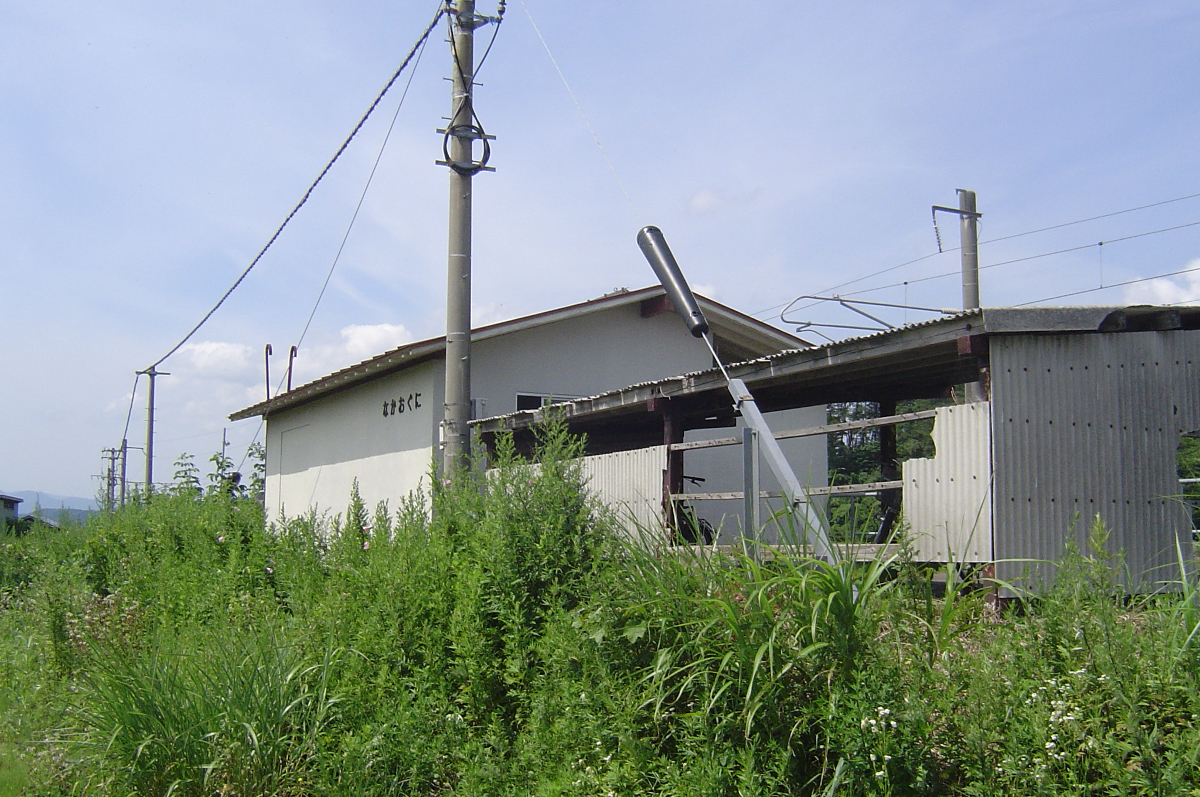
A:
{"points": [[1183, 289]]}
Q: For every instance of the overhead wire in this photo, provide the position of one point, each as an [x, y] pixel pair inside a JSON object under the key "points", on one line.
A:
{"points": [[345, 237], [1090, 218], [474, 125], [132, 398], [417, 47], [1191, 270], [988, 241], [308, 193], [579, 108], [1030, 257], [362, 197]]}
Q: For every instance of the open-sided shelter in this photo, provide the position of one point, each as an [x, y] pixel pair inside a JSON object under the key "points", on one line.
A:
{"points": [[1081, 414]]}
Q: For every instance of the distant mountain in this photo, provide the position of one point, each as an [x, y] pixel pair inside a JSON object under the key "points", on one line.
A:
{"points": [[52, 505]]}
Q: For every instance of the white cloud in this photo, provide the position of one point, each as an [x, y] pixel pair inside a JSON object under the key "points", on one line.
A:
{"points": [[215, 358], [358, 342], [707, 200], [1183, 289], [367, 340]]}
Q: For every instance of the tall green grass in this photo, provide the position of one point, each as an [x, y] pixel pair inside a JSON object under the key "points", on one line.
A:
{"points": [[496, 638]]}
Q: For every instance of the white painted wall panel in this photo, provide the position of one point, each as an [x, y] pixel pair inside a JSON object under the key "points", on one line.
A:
{"points": [[583, 356], [630, 484], [948, 498], [315, 451]]}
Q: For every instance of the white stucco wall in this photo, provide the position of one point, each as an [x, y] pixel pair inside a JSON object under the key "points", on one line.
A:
{"points": [[583, 356], [315, 452]]}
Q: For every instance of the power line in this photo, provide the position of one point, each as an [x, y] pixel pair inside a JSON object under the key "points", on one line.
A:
{"points": [[345, 144], [132, 397], [1031, 257], [637, 213], [860, 279], [353, 218], [988, 241], [1115, 285], [1092, 218]]}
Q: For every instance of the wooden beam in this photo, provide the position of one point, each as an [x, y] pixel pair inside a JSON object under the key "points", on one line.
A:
{"points": [[656, 306], [905, 417], [841, 489]]}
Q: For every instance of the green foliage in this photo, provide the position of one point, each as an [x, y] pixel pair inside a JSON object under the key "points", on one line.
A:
{"points": [[495, 638], [187, 476], [1188, 465], [224, 711], [854, 458]]}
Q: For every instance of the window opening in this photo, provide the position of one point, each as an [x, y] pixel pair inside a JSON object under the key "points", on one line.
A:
{"points": [[534, 401]]}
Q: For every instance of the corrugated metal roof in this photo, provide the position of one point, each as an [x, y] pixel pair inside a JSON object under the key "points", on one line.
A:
{"points": [[683, 383], [924, 349]]}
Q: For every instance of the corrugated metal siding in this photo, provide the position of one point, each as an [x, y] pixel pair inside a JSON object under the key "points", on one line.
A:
{"points": [[947, 498], [1087, 425], [631, 484]]}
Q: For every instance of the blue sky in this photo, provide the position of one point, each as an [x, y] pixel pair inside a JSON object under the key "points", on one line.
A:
{"points": [[148, 150]]}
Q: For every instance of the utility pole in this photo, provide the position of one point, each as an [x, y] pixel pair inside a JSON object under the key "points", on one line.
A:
{"points": [[124, 470], [969, 238], [458, 145], [110, 477], [150, 372], [968, 219]]}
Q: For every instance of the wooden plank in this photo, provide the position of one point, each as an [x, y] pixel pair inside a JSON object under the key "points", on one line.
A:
{"points": [[858, 552], [856, 489], [869, 423], [840, 489]]}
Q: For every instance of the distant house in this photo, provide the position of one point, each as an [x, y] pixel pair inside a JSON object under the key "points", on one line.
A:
{"points": [[8, 509], [379, 421]]}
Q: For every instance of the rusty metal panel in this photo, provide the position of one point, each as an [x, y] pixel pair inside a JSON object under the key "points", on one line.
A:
{"points": [[947, 498], [1087, 426], [630, 483]]}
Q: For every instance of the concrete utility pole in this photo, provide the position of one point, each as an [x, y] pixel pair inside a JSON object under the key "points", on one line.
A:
{"points": [[460, 137], [969, 244], [124, 461], [969, 236], [110, 478], [150, 372]]}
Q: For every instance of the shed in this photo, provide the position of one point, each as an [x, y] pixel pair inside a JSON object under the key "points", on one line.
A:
{"points": [[1082, 413], [378, 422]]}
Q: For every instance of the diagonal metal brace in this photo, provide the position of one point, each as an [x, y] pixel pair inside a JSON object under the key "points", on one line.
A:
{"points": [[795, 494]]}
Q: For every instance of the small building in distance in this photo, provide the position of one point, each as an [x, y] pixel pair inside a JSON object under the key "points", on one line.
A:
{"points": [[378, 422], [8, 510]]}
